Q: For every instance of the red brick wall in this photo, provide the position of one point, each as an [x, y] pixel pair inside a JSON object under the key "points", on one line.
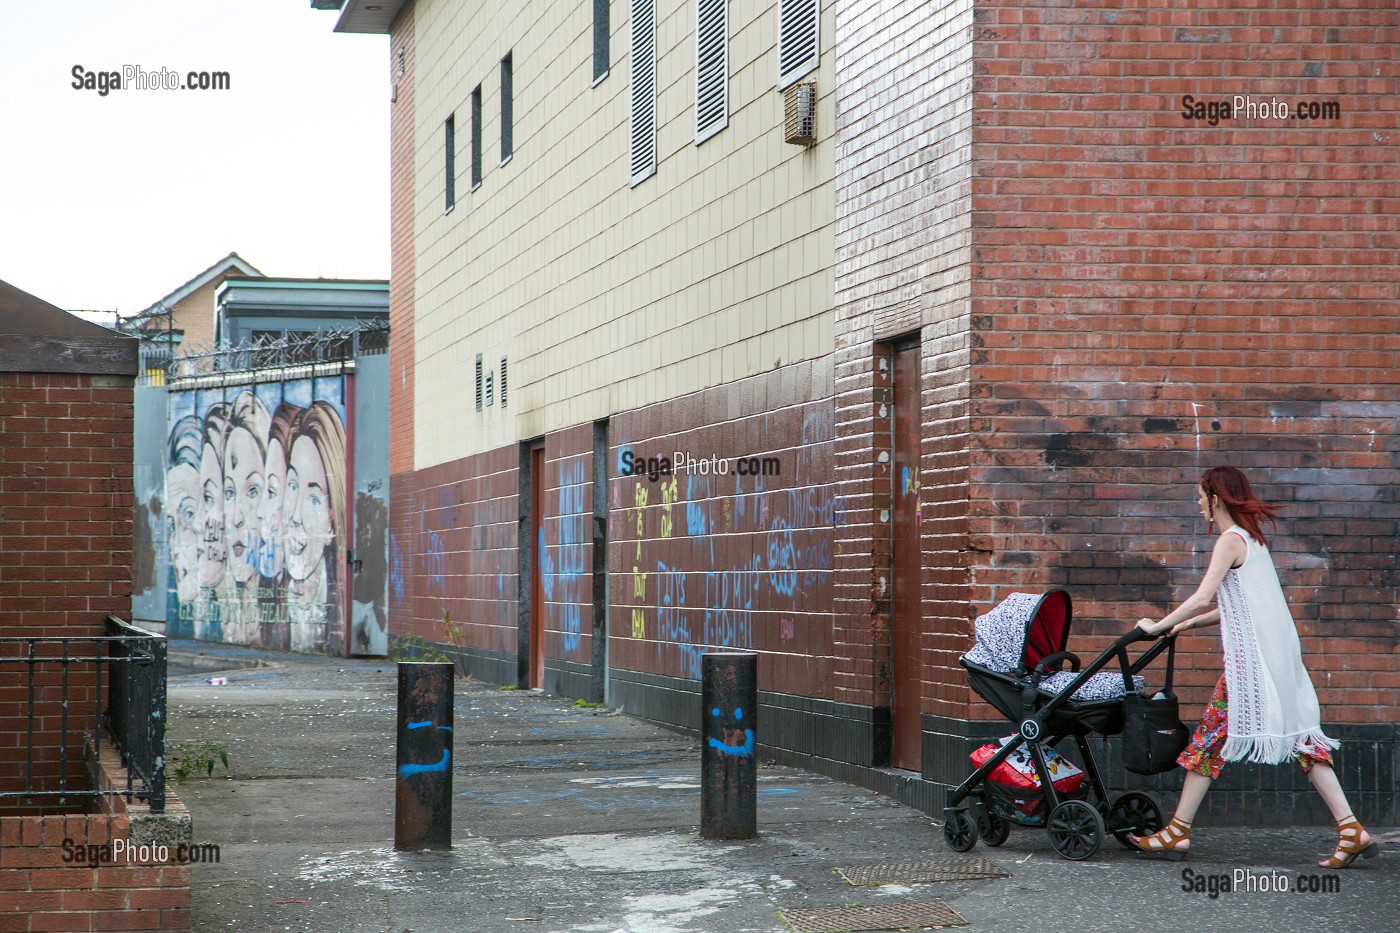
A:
{"points": [[903, 213], [39, 890], [65, 546], [1153, 296], [402, 268]]}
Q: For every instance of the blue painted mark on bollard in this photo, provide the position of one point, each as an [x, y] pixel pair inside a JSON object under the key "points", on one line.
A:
{"points": [[742, 750], [426, 723], [410, 770]]}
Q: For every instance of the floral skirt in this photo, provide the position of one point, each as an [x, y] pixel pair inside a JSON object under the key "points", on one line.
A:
{"points": [[1203, 754]]}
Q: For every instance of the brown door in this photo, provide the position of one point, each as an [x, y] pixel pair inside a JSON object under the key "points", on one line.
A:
{"points": [[907, 620], [537, 607]]}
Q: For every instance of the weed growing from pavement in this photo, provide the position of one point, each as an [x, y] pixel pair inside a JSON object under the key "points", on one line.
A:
{"points": [[183, 759]]}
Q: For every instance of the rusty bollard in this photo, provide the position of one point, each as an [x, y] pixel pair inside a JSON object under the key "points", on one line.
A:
{"points": [[423, 782], [728, 765]]}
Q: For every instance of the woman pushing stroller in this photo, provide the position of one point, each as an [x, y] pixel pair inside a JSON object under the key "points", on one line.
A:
{"points": [[1264, 707]]}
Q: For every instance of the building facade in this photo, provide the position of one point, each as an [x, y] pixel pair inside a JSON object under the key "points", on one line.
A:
{"points": [[664, 382]]}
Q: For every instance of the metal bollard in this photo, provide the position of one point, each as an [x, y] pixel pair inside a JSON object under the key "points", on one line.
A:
{"points": [[423, 780], [728, 765]]}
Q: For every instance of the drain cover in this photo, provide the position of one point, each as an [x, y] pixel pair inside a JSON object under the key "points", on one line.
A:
{"points": [[918, 916], [950, 869]]}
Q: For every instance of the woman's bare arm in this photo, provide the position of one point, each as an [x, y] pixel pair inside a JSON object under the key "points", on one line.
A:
{"points": [[1229, 550]]}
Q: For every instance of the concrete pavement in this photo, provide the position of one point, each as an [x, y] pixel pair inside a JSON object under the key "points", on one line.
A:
{"points": [[570, 820]]}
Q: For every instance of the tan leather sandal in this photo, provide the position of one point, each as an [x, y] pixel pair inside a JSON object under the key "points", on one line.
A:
{"points": [[1349, 847], [1172, 841]]}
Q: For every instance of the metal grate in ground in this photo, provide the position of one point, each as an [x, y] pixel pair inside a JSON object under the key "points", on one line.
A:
{"points": [[927, 915], [948, 869]]}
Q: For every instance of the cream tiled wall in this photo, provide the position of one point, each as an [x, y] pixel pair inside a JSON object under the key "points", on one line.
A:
{"points": [[604, 297]]}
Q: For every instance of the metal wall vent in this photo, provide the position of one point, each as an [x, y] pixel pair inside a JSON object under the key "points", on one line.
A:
{"points": [[800, 113]]}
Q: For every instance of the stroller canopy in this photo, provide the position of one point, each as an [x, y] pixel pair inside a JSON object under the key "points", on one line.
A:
{"points": [[1021, 630]]}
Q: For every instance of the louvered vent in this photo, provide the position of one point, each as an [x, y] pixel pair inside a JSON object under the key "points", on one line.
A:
{"points": [[643, 90], [798, 46], [711, 68], [490, 387], [478, 382], [800, 113], [503, 382]]}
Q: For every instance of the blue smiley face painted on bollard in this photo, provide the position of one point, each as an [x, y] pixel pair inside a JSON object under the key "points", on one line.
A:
{"points": [[744, 750]]}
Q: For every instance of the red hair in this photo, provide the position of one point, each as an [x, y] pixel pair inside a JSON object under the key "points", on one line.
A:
{"points": [[1229, 485]]}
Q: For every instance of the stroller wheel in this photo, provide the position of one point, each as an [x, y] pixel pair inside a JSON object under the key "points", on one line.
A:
{"points": [[1133, 813], [1075, 830], [959, 831], [993, 829]]}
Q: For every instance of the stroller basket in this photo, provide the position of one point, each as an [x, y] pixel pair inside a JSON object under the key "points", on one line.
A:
{"points": [[1024, 806]]}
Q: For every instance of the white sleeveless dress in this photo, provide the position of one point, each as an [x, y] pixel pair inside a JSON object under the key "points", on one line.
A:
{"points": [[1273, 710]]}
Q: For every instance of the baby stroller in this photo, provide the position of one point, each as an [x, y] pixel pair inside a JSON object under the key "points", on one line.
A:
{"points": [[1015, 667]]}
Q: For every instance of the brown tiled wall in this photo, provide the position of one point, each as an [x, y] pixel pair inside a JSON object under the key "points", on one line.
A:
{"points": [[702, 562], [1153, 296], [568, 529], [452, 551]]}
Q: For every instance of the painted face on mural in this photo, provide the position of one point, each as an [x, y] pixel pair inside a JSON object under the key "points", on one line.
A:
{"points": [[270, 517], [243, 494], [308, 510], [211, 518], [182, 503]]}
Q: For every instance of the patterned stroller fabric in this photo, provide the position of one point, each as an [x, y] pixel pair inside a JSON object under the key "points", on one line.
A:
{"points": [[1001, 634]]}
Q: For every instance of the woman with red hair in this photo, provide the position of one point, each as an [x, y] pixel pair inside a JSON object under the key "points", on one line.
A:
{"points": [[1264, 707]]}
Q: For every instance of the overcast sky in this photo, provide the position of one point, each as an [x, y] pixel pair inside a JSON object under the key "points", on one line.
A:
{"points": [[111, 202]]}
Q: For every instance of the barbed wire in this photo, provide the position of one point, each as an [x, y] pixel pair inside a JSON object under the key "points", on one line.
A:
{"points": [[160, 359]]}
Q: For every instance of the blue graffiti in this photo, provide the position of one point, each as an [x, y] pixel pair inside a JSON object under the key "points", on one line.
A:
{"points": [[426, 723], [743, 750], [575, 535], [395, 567], [782, 576], [672, 626], [435, 559], [410, 770], [729, 605]]}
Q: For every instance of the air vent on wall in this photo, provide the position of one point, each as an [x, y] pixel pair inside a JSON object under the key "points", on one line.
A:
{"points": [[478, 382], [503, 382], [800, 113]]}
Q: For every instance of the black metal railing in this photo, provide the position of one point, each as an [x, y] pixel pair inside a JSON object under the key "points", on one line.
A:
{"points": [[61, 689]]}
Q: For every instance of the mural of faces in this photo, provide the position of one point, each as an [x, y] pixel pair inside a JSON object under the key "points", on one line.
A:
{"points": [[315, 495], [270, 524], [254, 504], [211, 552], [243, 464], [182, 507]]}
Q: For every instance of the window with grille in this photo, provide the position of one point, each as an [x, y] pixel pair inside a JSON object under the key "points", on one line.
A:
{"points": [[798, 45], [507, 107], [602, 35], [711, 68], [643, 90], [476, 138], [449, 142], [478, 382]]}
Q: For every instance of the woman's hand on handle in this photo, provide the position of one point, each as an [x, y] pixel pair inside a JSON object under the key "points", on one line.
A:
{"points": [[1149, 627]]}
